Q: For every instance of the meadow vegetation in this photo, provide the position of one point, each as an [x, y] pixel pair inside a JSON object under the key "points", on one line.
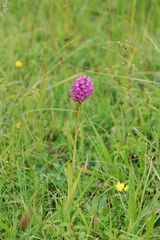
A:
{"points": [[116, 195]]}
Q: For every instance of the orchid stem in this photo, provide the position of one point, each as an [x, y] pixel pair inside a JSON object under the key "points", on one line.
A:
{"points": [[76, 136]]}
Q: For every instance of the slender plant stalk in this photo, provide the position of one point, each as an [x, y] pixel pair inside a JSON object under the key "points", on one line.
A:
{"points": [[76, 136], [72, 183]]}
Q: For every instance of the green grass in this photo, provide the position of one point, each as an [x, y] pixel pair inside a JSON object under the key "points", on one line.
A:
{"points": [[117, 44]]}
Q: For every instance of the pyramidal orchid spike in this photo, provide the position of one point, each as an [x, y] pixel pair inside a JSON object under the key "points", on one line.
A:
{"points": [[82, 88]]}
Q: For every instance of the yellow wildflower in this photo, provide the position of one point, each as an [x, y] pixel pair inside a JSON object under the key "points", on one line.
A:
{"points": [[18, 125], [18, 64], [120, 186], [126, 188]]}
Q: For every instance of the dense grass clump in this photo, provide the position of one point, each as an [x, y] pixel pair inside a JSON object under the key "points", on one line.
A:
{"points": [[44, 46]]}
